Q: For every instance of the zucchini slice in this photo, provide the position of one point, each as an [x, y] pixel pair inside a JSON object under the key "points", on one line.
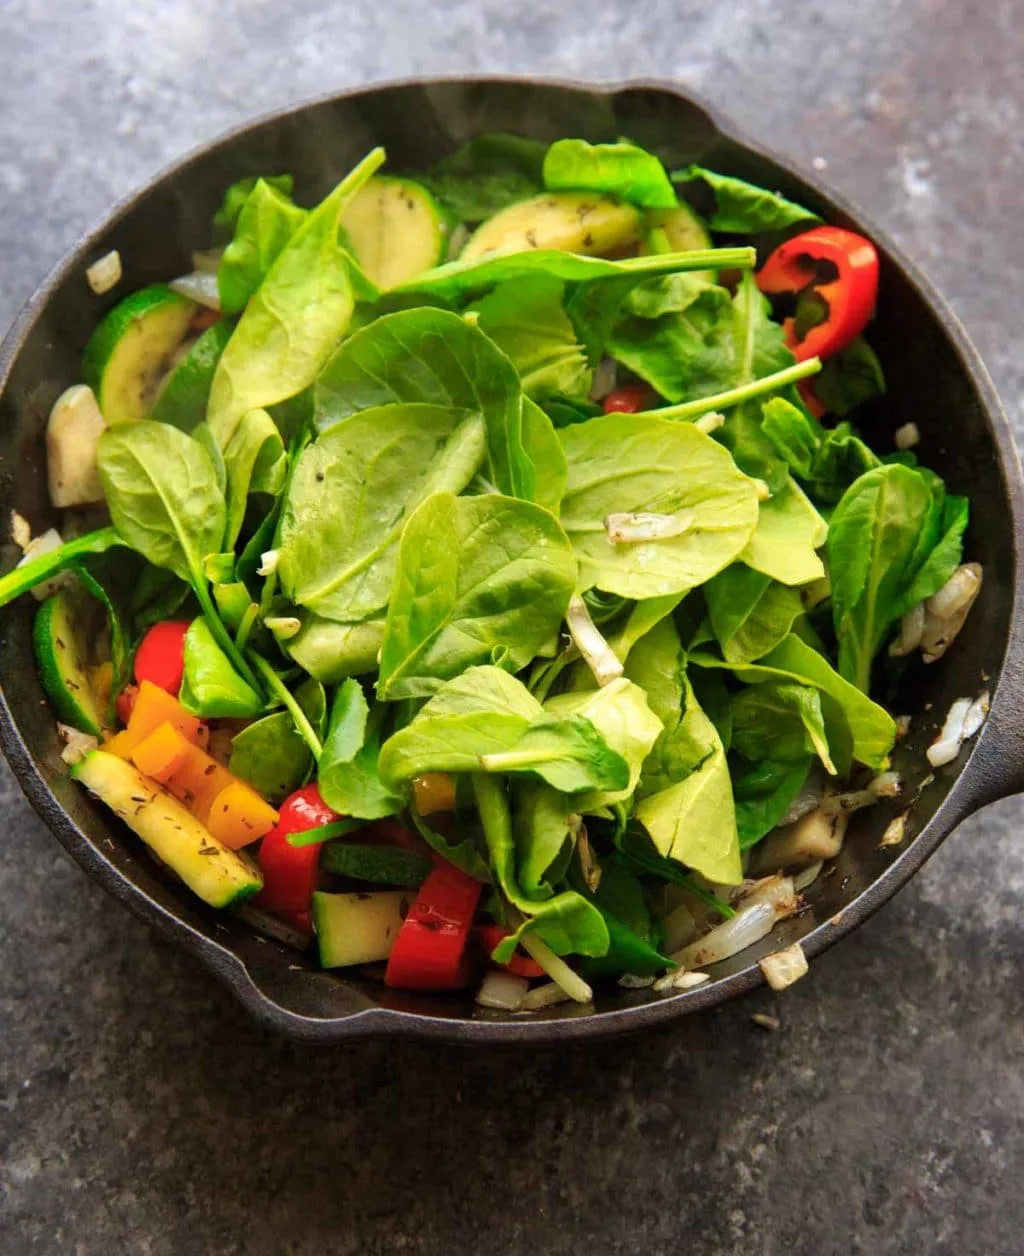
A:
{"points": [[130, 352], [577, 222], [62, 665], [358, 928], [397, 230], [684, 231]]}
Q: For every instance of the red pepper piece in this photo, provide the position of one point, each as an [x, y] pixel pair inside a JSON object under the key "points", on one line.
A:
{"points": [[290, 873], [521, 965], [430, 952], [629, 399], [160, 657], [849, 289], [806, 391], [125, 703]]}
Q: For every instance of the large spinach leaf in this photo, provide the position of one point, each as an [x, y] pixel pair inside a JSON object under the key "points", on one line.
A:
{"points": [[479, 579], [733, 205], [349, 773], [789, 532], [294, 319], [621, 169], [850, 378], [763, 792], [238, 193], [750, 612], [894, 539], [254, 462], [543, 835], [211, 687], [436, 357], [271, 754], [331, 651], [352, 493], [631, 464], [780, 720]]}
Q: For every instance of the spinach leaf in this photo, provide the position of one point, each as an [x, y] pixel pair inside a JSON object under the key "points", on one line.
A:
{"points": [[657, 665], [643, 616], [211, 687], [542, 835], [566, 921], [788, 533], [267, 221], [478, 578], [842, 458], [892, 542], [828, 462], [348, 773], [295, 318], [525, 319], [780, 720], [621, 169], [621, 714], [271, 755], [254, 462], [763, 792], [755, 455], [630, 463], [867, 730], [733, 205], [331, 651], [487, 174], [238, 193], [620, 900], [797, 438], [569, 754], [750, 612], [374, 468], [436, 357], [849, 378], [482, 711], [456, 281], [52, 563]]}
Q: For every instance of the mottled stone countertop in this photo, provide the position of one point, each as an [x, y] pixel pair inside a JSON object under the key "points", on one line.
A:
{"points": [[142, 1112]]}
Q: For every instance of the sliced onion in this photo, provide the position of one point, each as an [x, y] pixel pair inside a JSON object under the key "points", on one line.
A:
{"points": [[895, 831], [818, 835], [633, 981], [907, 436], [604, 379], [502, 990], [679, 928], [105, 273], [748, 926], [76, 744], [778, 891], [911, 628], [546, 995], [945, 748], [595, 650], [782, 968], [632, 529], [199, 286], [45, 543], [947, 611], [975, 717]]}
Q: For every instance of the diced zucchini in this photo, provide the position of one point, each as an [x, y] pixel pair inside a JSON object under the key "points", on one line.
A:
{"points": [[397, 230], [358, 928], [130, 352], [60, 653], [182, 398], [684, 232], [219, 876], [577, 222], [72, 437]]}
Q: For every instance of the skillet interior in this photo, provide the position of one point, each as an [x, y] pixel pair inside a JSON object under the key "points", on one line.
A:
{"points": [[934, 379]]}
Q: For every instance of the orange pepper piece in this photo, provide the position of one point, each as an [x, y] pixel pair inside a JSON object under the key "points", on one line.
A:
{"points": [[153, 706], [239, 816]]}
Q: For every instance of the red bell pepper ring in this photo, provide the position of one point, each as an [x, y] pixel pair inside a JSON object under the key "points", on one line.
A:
{"points": [[431, 951], [160, 658], [291, 873], [521, 965], [850, 294], [629, 399]]}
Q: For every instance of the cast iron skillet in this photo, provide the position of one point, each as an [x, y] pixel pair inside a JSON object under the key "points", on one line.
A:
{"points": [[935, 378]]}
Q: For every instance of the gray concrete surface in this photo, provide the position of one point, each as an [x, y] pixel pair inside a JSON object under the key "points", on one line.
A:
{"points": [[140, 1112]]}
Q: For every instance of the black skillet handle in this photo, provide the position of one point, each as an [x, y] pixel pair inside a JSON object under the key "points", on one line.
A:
{"points": [[995, 768]]}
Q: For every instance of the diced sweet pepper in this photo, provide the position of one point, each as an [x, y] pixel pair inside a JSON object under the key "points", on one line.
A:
{"points": [[153, 707], [240, 816]]}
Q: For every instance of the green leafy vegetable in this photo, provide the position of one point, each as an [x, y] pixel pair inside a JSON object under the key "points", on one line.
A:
{"points": [[294, 319], [779, 720], [479, 579], [628, 463], [238, 193], [731, 204], [750, 612], [331, 651], [211, 687], [894, 539], [486, 175], [542, 835], [789, 531], [254, 462], [850, 378], [621, 169], [348, 774], [763, 793], [372, 469], [570, 754], [52, 563], [267, 221], [270, 754]]}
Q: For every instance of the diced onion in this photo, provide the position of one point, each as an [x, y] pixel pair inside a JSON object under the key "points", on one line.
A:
{"points": [[199, 286], [502, 990], [945, 748], [946, 612], [21, 531], [902, 726], [887, 785], [782, 968], [975, 717], [708, 423], [268, 562], [687, 981], [632, 981], [544, 996], [907, 436], [597, 653], [895, 831], [44, 543], [631, 529], [76, 744], [105, 273], [604, 379]]}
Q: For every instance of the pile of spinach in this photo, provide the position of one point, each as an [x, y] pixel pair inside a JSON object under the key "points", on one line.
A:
{"points": [[383, 523]]}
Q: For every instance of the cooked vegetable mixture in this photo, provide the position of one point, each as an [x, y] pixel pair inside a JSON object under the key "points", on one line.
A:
{"points": [[485, 576]]}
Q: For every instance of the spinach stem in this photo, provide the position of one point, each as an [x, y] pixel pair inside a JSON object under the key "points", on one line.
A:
{"points": [[734, 396], [34, 572], [280, 690], [221, 634], [325, 833]]}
